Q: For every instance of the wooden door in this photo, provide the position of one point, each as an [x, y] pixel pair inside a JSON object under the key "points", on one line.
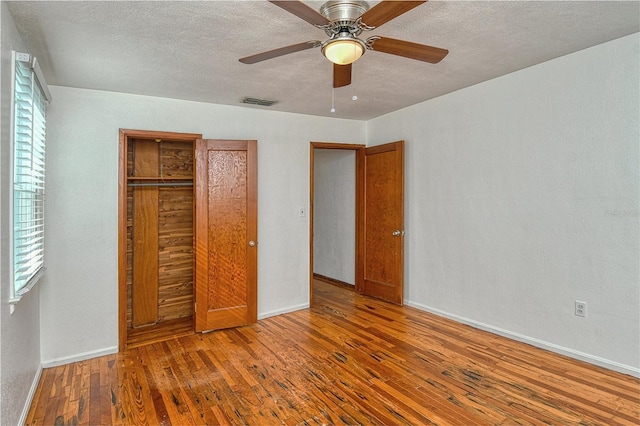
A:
{"points": [[381, 254], [226, 230]]}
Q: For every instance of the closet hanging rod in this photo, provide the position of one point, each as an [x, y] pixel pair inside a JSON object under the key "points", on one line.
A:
{"points": [[161, 184], [160, 178]]}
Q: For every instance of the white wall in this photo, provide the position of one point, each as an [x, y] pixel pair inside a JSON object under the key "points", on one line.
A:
{"points": [[79, 296], [19, 332], [334, 215], [522, 197]]}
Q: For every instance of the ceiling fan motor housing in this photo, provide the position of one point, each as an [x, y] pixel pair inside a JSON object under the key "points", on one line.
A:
{"points": [[341, 10], [343, 16]]}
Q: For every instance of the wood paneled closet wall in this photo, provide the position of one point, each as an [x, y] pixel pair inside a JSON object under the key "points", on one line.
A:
{"points": [[159, 231]]}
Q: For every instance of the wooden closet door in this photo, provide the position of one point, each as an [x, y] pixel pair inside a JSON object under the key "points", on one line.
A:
{"points": [[226, 228]]}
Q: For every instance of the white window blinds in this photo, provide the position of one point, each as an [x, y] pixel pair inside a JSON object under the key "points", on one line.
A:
{"points": [[29, 121]]}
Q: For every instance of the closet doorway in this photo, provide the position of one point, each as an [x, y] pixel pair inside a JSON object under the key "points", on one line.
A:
{"points": [[155, 235]]}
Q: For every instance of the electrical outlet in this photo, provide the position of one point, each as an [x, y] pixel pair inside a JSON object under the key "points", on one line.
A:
{"points": [[581, 308]]}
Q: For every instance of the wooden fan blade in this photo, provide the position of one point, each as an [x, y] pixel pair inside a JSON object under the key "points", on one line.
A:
{"points": [[302, 11], [341, 75], [420, 52], [279, 52], [387, 10]]}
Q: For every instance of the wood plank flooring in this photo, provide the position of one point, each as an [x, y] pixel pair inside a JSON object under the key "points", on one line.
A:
{"points": [[348, 360], [157, 333]]}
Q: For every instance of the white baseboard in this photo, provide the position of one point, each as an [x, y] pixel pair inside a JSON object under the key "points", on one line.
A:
{"points": [[79, 357], [32, 392], [286, 310], [582, 356]]}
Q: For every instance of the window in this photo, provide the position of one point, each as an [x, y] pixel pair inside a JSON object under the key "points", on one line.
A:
{"points": [[30, 95]]}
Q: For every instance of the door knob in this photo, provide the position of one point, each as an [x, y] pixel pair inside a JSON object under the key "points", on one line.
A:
{"points": [[397, 233], [252, 243]]}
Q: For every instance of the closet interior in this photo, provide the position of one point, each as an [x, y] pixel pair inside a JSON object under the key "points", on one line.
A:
{"points": [[160, 239]]}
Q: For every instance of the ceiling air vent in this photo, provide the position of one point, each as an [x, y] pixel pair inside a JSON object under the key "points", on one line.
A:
{"points": [[256, 101]]}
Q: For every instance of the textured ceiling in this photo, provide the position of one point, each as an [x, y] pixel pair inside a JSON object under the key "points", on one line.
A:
{"points": [[190, 50]]}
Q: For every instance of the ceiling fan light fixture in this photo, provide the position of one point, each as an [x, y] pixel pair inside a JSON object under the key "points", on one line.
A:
{"points": [[344, 49]]}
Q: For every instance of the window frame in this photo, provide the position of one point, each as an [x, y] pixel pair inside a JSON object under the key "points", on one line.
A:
{"points": [[38, 83]]}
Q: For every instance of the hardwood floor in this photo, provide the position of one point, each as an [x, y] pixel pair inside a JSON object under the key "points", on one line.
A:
{"points": [[157, 333], [348, 360]]}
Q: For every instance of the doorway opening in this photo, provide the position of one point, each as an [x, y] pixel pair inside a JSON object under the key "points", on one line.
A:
{"points": [[379, 219], [336, 185]]}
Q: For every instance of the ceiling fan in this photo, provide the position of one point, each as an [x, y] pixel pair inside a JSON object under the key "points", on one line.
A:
{"points": [[343, 21]]}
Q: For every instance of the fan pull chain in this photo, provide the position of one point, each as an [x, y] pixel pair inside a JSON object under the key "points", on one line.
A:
{"points": [[333, 107], [353, 84]]}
